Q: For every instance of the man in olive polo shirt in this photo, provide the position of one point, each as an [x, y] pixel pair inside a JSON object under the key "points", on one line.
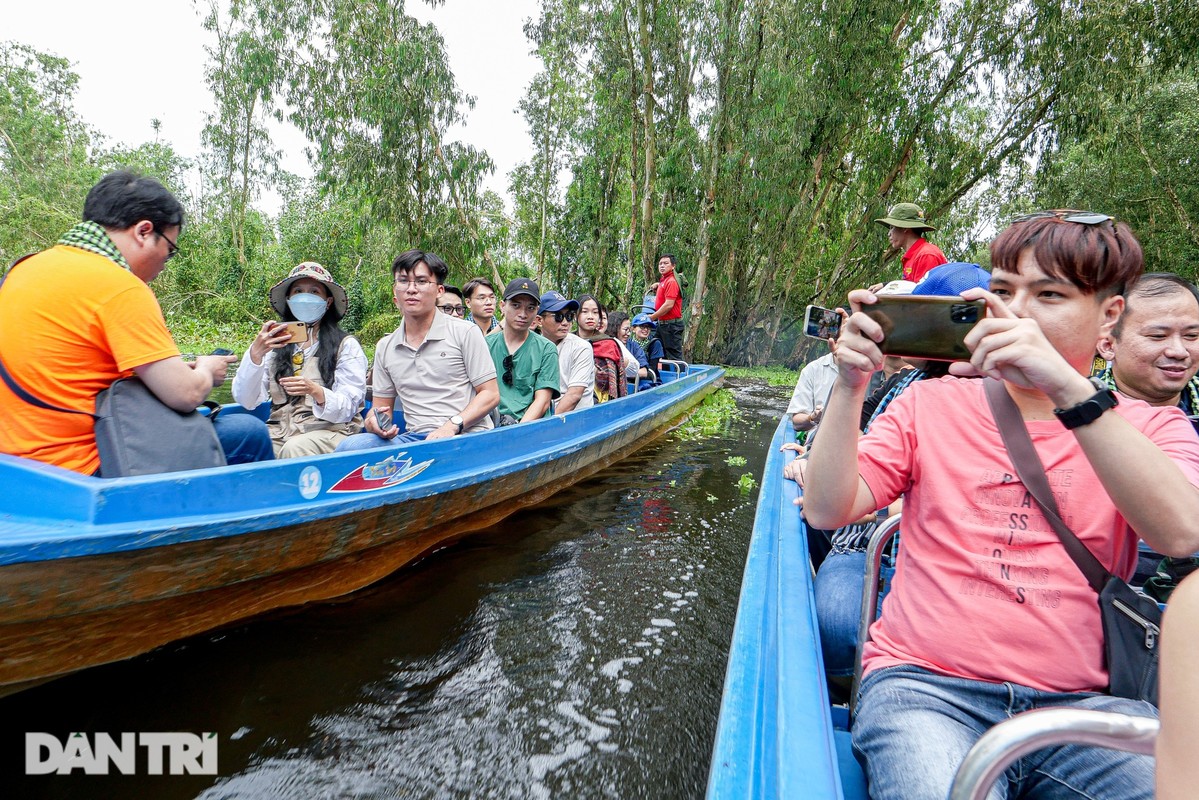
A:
{"points": [[905, 231], [435, 364], [526, 362]]}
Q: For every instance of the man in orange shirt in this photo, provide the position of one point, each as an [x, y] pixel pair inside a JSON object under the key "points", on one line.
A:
{"points": [[905, 231], [81, 315]]}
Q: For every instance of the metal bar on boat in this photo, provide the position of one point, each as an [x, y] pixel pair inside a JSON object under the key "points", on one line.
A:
{"points": [[1031, 730], [880, 537]]}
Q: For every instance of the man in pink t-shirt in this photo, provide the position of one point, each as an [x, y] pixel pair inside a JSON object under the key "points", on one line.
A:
{"points": [[988, 616]]}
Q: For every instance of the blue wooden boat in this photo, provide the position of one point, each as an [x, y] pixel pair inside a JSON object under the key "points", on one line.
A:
{"points": [[94, 571], [778, 736]]}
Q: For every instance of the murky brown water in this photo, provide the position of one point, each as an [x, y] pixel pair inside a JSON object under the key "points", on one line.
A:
{"points": [[575, 650]]}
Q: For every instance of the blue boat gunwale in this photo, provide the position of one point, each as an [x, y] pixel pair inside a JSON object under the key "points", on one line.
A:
{"points": [[83, 515], [775, 736]]}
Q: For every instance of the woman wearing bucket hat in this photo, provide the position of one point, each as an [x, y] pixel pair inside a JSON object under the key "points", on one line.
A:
{"points": [[316, 386], [905, 231]]}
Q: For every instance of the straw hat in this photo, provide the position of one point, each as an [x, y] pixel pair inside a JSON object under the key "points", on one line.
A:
{"points": [[308, 269]]}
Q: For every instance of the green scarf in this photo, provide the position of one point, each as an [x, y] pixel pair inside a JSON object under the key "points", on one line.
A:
{"points": [[90, 236]]}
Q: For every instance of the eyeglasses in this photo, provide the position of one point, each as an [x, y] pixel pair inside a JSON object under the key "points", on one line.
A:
{"points": [[172, 248], [419, 283], [456, 311], [483, 298], [508, 363], [564, 316], [1068, 215]]}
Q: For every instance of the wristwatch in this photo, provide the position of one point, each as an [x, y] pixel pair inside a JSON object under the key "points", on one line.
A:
{"points": [[1090, 409], [457, 420]]}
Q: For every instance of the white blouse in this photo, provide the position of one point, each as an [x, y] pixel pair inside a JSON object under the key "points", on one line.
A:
{"points": [[251, 383]]}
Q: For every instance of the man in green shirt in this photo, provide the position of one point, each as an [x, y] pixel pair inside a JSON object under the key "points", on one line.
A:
{"points": [[526, 362]]}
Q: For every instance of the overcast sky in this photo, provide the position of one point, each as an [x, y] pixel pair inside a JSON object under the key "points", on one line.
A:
{"points": [[138, 60]]}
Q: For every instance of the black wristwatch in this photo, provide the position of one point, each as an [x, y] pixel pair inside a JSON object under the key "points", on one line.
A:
{"points": [[1090, 409]]}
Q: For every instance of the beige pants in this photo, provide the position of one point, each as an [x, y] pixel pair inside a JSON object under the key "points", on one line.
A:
{"points": [[312, 443]]}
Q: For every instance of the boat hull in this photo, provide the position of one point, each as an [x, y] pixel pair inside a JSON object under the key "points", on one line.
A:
{"points": [[776, 735], [97, 591]]}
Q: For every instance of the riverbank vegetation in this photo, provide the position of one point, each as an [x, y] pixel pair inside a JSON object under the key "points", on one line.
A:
{"points": [[755, 139]]}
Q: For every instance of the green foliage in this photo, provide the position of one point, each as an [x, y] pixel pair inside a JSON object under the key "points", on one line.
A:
{"points": [[45, 166], [746, 483], [710, 417], [773, 375], [735, 461]]}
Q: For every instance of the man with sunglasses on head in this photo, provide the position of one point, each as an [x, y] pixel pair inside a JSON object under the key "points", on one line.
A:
{"points": [[527, 362], [988, 614], [80, 315], [435, 365], [576, 358]]}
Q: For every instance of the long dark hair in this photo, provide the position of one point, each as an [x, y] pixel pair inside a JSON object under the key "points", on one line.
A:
{"points": [[330, 335]]}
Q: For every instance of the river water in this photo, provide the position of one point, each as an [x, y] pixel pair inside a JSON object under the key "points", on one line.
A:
{"points": [[576, 649]]}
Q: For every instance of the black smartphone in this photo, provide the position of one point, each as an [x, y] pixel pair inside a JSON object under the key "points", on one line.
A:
{"points": [[222, 351], [383, 420], [822, 323], [926, 327]]}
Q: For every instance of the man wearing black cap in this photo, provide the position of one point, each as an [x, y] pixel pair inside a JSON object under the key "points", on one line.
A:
{"points": [[527, 362], [576, 358], [905, 231]]}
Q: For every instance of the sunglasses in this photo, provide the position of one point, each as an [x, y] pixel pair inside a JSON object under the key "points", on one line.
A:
{"points": [[1068, 215], [564, 316], [508, 364]]}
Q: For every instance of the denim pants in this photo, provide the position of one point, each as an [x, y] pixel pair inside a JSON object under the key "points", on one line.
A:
{"points": [[838, 588], [244, 438], [369, 441], [914, 727]]}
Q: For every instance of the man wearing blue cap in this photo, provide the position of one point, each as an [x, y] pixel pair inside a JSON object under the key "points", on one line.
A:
{"points": [[576, 359]]}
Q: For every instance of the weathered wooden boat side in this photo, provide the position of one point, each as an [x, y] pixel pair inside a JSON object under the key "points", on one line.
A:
{"points": [[776, 735], [95, 571]]}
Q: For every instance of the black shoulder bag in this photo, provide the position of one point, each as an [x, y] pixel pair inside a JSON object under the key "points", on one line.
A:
{"points": [[136, 433], [1131, 621]]}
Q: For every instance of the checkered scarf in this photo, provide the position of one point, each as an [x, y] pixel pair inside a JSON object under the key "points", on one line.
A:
{"points": [[91, 236]]}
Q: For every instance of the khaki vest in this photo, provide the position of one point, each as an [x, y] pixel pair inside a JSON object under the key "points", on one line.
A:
{"points": [[291, 418]]}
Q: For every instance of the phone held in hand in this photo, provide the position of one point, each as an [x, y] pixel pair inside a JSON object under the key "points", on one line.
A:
{"points": [[221, 351], [929, 327], [822, 323], [383, 420], [298, 330]]}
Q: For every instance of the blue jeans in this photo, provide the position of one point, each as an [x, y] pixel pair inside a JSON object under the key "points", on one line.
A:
{"points": [[244, 438], [369, 441], [914, 727], [838, 590]]}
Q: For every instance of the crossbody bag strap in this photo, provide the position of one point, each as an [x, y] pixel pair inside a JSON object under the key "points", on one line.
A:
{"points": [[17, 388], [1032, 473]]}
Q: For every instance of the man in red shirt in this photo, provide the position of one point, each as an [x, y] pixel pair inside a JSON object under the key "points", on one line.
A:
{"points": [[905, 231], [668, 310]]}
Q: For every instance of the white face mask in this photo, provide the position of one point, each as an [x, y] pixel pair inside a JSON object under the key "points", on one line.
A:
{"points": [[308, 308]]}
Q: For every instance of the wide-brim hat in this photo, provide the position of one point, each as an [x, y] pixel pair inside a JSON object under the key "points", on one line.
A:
{"points": [[308, 269], [906, 215]]}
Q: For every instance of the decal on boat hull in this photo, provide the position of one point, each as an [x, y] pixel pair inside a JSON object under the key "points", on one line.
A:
{"points": [[391, 471]]}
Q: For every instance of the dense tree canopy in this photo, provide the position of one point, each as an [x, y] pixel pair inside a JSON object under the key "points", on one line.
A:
{"points": [[755, 139]]}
